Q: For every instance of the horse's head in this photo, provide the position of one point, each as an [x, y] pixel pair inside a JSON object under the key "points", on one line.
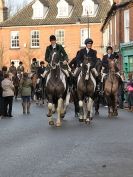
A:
{"points": [[98, 66], [112, 66], [54, 60], [86, 66]]}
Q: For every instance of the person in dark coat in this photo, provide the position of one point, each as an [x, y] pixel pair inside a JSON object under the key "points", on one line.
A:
{"points": [[41, 68], [108, 57], [20, 68], [12, 68], [1, 97], [34, 66], [61, 53], [86, 52]]}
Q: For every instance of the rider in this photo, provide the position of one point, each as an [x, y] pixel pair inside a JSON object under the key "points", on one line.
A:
{"points": [[88, 52], [63, 57], [12, 68], [20, 68], [110, 56], [34, 66]]}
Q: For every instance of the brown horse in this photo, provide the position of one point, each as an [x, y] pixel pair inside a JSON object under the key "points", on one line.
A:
{"points": [[111, 87], [56, 90], [86, 85]]}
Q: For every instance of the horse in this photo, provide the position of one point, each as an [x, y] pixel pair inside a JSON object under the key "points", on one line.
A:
{"points": [[56, 90], [86, 85], [111, 88]]}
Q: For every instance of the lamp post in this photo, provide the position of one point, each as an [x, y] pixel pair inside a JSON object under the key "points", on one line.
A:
{"points": [[88, 22]]}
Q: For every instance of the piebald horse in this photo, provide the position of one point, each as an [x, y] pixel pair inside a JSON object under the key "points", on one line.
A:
{"points": [[111, 87], [56, 90], [86, 85]]}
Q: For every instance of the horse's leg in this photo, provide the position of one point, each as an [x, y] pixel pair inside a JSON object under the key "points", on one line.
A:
{"points": [[109, 106], [51, 121], [89, 110], [96, 103], [81, 117], [115, 105], [59, 107]]}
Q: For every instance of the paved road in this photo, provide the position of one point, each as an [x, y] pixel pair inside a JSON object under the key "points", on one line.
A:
{"points": [[30, 148]]}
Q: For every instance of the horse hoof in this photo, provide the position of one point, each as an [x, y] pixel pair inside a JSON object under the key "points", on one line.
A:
{"points": [[87, 121], [51, 122], [58, 124], [81, 120], [96, 113], [49, 115], [76, 115], [62, 116]]}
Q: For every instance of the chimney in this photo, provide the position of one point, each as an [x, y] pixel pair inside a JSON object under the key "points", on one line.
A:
{"points": [[3, 11]]}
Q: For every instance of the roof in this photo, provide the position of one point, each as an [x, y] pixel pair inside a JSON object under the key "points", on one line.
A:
{"points": [[24, 16], [113, 9]]}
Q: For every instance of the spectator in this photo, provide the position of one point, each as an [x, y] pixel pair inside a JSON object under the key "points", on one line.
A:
{"points": [[130, 92], [1, 97], [16, 81], [8, 93], [25, 90]]}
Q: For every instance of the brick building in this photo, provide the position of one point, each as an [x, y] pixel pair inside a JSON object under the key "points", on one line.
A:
{"points": [[26, 34], [118, 32]]}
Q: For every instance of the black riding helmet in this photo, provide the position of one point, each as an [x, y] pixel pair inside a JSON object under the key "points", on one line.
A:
{"points": [[12, 62], [42, 62], [20, 62], [109, 48], [52, 38], [88, 41], [34, 59]]}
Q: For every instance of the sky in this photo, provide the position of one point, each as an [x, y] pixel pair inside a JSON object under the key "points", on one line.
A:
{"points": [[15, 4]]}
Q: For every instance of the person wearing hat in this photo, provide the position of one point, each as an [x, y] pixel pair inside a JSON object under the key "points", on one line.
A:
{"points": [[54, 47], [88, 52], [34, 66], [20, 68], [41, 68], [110, 56], [12, 68]]}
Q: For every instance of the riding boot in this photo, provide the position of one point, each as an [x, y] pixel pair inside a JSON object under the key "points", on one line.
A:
{"points": [[24, 107], [28, 107]]}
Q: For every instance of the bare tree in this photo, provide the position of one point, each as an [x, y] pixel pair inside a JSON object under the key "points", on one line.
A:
{"points": [[14, 6]]}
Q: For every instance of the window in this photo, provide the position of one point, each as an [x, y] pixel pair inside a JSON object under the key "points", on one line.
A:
{"points": [[14, 39], [126, 26], [89, 8], [35, 39], [64, 9], [39, 10], [84, 35], [60, 36]]}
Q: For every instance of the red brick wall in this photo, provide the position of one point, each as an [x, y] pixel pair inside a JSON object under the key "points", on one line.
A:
{"points": [[25, 54]]}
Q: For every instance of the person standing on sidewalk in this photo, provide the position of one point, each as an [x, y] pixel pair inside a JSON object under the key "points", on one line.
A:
{"points": [[8, 94], [25, 91], [1, 97]]}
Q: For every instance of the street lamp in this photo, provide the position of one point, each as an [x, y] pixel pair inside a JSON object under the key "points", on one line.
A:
{"points": [[88, 21]]}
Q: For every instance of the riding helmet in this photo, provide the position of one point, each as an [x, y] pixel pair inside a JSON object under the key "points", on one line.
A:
{"points": [[88, 41], [42, 62], [52, 38], [20, 62], [109, 48], [12, 62], [34, 59]]}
